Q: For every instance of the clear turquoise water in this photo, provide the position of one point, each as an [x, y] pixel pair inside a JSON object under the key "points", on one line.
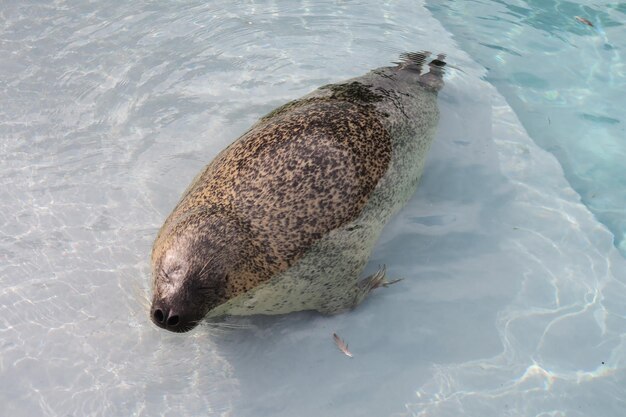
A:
{"points": [[565, 80], [514, 297]]}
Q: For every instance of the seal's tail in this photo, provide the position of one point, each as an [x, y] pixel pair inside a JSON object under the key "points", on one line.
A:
{"points": [[414, 61]]}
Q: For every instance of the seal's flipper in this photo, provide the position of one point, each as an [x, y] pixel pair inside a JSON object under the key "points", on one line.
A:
{"points": [[413, 61], [352, 296], [366, 285], [434, 77]]}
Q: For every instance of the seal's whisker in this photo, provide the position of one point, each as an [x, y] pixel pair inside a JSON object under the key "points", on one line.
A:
{"points": [[223, 325], [140, 292], [218, 332], [144, 300], [204, 267]]}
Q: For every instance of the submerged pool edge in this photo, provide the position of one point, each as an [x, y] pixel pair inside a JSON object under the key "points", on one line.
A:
{"points": [[532, 110]]}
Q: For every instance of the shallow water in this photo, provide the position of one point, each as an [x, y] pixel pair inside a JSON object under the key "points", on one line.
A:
{"points": [[513, 301], [564, 80]]}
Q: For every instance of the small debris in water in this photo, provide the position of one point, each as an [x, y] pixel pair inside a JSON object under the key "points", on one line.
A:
{"points": [[342, 345], [583, 20]]}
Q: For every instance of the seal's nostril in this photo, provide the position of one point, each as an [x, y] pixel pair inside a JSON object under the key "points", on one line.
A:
{"points": [[158, 315], [173, 321]]}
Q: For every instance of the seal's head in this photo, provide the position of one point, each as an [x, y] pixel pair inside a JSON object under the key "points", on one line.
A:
{"points": [[191, 266]]}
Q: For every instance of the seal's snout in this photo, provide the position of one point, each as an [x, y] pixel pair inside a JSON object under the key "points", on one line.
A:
{"points": [[169, 319], [162, 317]]}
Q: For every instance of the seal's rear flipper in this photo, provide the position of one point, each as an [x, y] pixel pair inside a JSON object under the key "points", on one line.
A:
{"points": [[434, 78], [413, 61]]}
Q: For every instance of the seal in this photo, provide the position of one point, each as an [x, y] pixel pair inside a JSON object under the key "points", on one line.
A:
{"points": [[285, 218]]}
